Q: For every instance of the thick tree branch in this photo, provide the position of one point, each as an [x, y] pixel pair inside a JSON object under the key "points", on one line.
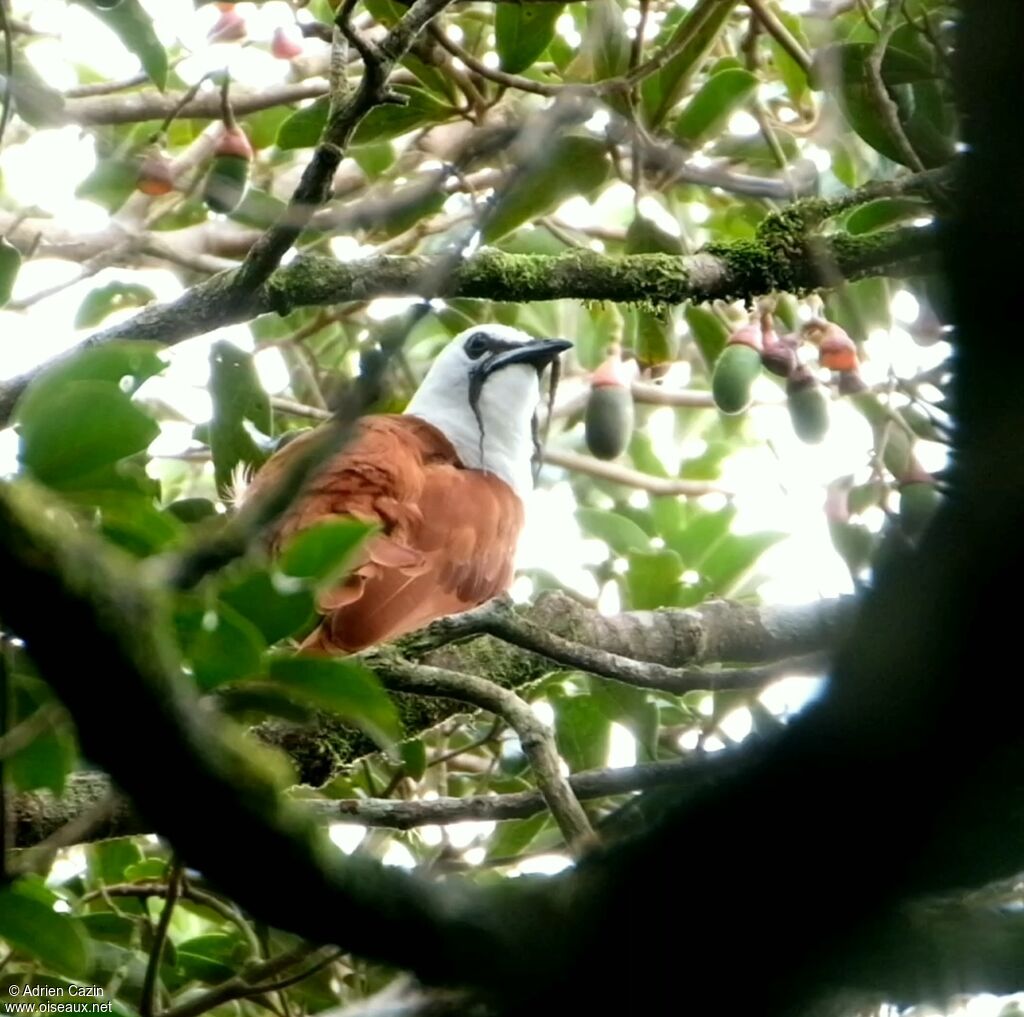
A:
{"points": [[729, 271]]}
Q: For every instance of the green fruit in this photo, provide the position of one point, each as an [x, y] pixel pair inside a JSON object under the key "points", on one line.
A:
{"points": [[609, 420], [734, 376], [226, 183], [918, 502], [808, 410], [10, 262]]}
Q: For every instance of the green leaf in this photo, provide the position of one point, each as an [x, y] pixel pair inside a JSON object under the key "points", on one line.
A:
{"points": [[884, 212], [794, 77], [653, 578], [109, 860], [733, 558], [10, 263], [709, 110], [414, 757], [237, 396], [322, 551], [56, 940], [604, 51], [695, 33], [522, 32], [545, 184], [514, 836], [219, 643], [276, 612], [385, 122], [47, 759], [132, 521], [147, 869], [88, 424], [133, 26], [582, 732], [304, 127], [344, 687], [632, 708], [115, 296], [645, 236], [709, 332], [375, 159], [622, 535], [126, 364]]}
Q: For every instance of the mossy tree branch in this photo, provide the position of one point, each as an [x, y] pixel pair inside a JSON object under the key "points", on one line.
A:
{"points": [[743, 269]]}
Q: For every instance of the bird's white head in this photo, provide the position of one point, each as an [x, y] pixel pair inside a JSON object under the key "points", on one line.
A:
{"points": [[482, 392]]}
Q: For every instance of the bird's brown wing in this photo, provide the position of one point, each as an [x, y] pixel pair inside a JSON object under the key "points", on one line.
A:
{"points": [[447, 540]]}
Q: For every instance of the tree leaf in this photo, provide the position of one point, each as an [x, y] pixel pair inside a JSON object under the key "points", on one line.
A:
{"points": [[604, 51], [622, 535], [344, 687], [56, 940], [514, 836], [321, 551], [389, 121], [304, 127], [522, 32], [545, 184], [104, 300], [237, 396], [219, 643], [877, 215], [414, 757], [46, 761], [710, 108], [133, 26], [699, 28], [582, 731], [709, 332], [86, 425], [274, 611], [10, 263], [126, 364], [653, 578], [794, 77]]}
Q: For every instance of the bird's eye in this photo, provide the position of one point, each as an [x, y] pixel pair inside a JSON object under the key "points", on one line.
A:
{"points": [[476, 346]]}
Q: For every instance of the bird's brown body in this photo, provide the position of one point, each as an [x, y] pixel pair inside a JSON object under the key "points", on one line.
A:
{"points": [[447, 533]]}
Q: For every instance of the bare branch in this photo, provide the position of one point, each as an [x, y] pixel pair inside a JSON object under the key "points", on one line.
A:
{"points": [[536, 738], [631, 478]]}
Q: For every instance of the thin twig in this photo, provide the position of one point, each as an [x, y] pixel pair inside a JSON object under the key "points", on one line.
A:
{"points": [[536, 738], [884, 102], [631, 478], [774, 26], [150, 983], [189, 892]]}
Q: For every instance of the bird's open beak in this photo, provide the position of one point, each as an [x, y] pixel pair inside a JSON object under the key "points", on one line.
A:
{"points": [[539, 352]]}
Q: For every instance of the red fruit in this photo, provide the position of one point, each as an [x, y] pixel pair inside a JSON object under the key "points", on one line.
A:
{"points": [[229, 27], [284, 45], [155, 174], [837, 350], [747, 335], [232, 141], [612, 372]]}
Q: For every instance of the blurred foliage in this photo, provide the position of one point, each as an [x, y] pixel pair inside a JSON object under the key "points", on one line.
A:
{"points": [[721, 86]]}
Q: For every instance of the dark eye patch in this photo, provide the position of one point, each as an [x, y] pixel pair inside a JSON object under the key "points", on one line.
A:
{"points": [[477, 345], [480, 343]]}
